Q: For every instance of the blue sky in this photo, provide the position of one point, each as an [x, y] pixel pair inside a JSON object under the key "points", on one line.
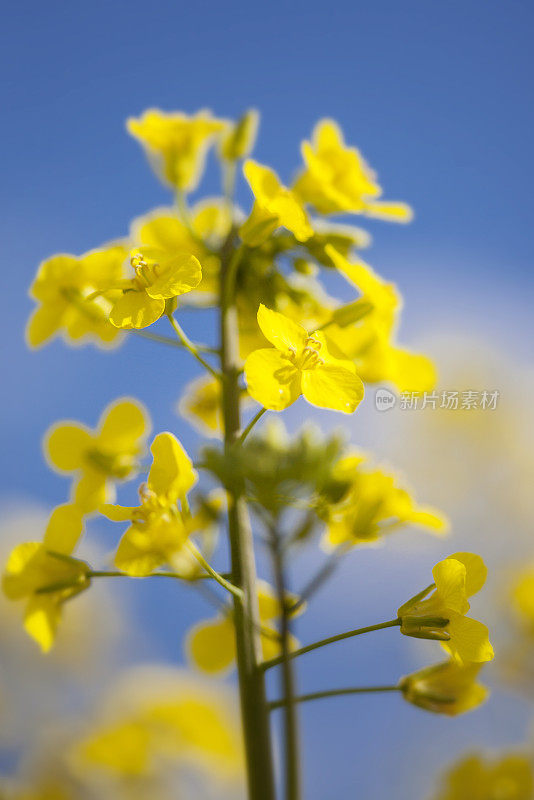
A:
{"points": [[436, 95]]}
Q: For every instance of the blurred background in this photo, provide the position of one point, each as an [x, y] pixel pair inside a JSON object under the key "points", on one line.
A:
{"points": [[437, 97]]}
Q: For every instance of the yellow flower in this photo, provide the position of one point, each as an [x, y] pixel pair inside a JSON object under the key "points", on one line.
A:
{"points": [[240, 138], [157, 719], [164, 230], [477, 778], [448, 688], [201, 404], [372, 506], [176, 144], [45, 579], [275, 206], [99, 458], [64, 289], [523, 596], [299, 363], [370, 342], [211, 644], [441, 614], [159, 276], [336, 178], [158, 530]]}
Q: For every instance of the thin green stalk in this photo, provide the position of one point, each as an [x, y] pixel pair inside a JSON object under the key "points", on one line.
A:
{"points": [[215, 575], [291, 737], [338, 638], [160, 574], [254, 711], [304, 698], [322, 575], [155, 337], [188, 344], [251, 424]]}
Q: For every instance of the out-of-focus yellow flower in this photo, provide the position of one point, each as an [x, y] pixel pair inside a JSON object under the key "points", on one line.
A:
{"points": [[438, 612], [448, 688], [211, 644], [152, 727], [64, 287], [176, 144], [34, 572], [370, 342], [299, 363], [158, 530], [101, 457], [163, 230], [274, 206], [478, 778], [239, 140], [201, 404], [372, 506], [159, 276], [336, 178], [523, 596]]}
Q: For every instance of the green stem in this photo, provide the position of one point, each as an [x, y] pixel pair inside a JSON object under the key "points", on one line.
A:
{"points": [[155, 337], [188, 344], [291, 740], [254, 711], [231, 273], [215, 575], [304, 698], [159, 574], [338, 638], [251, 424]]}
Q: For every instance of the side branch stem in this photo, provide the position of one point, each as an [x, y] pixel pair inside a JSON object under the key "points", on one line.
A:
{"points": [[304, 698]]}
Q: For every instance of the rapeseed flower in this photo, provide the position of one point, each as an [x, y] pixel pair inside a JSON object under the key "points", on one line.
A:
{"points": [[448, 688]]}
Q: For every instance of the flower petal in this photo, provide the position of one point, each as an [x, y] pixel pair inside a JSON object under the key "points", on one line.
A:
{"points": [[179, 275], [469, 639], [64, 529], [65, 445], [118, 513], [449, 577], [137, 555], [272, 379], [136, 310], [333, 387], [476, 571], [93, 490], [280, 330], [44, 323], [41, 619], [211, 645], [122, 424], [171, 474]]}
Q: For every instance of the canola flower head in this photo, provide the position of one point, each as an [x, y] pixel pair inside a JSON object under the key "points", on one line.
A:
{"points": [[211, 644], [99, 458], [477, 777], [64, 289], [239, 139], [45, 575], [299, 364], [439, 611], [158, 530], [372, 506], [176, 144], [159, 276], [448, 688], [274, 206], [336, 178]]}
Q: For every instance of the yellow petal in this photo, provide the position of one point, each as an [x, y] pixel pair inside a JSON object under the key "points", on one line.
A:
{"points": [[211, 645], [64, 529], [333, 387], [476, 571], [272, 379], [136, 310], [122, 424], [393, 212], [137, 555], [17, 582], [41, 619], [171, 474], [469, 639], [65, 445], [92, 490], [449, 577], [118, 513], [44, 323], [179, 275], [281, 331]]}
